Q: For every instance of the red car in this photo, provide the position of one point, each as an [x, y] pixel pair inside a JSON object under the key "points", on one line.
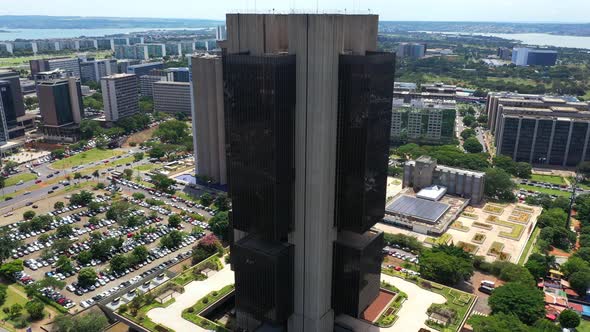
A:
{"points": [[398, 268], [38, 181]]}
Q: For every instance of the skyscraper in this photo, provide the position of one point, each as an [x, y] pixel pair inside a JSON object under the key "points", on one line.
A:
{"points": [[60, 103], [119, 95], [12, 102], [67, 64], [307, 116]]}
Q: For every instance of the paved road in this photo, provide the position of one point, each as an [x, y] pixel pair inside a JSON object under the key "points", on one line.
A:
{"points": [[171, 316]]}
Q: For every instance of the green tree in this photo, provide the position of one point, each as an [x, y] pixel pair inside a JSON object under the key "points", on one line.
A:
{"points": [[28, 215], [584, 169], [82, 198], [506, 163], [163, 183], [174, 221], [554, 217], [15, 311], [446, 264], [7, 270], [497, 323], [118, 263], [574, 264], [157, 152], [499, 185], [524, 301], [472, 145], [7, 244], [138, 156], [138, 195], [171, 240], [90, 322], [64, 265], [59, 205], [127, 173], [569, 319], [523, 170], [222, 202], [3, 294], [84, 257], [466, 133], [58, 153], [140, 254], [469, 120], [87, 277], [537, 265], [172, 132], [580, 281], [206, 199], [220, 224], [35, 309], [64, 231]]}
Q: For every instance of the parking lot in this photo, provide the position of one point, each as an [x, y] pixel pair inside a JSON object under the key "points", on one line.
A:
{"points": [[88, 227]]}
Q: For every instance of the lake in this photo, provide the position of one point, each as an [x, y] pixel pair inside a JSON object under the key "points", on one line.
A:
{"points": [[540, 39], [13, 34]]}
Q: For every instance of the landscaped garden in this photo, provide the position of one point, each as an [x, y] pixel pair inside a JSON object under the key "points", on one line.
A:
{"points": [[482, 225], [196, 272], [468, 247], [469, 215], [493, 208], [516, 230], [478, 238], [192, 314], [553, 179], [389, 315], [443, 239], [458, 225], [496, 249], [519, 217]]}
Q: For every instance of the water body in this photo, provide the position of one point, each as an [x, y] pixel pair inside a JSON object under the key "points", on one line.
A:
{"points": [[12, 34], [539, 39]]}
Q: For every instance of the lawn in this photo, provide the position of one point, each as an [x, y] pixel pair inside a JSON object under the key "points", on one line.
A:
{"points": [[85, 157], [528, 246], [553, 179], [545, 190], [24, 60], [192, 314], [24, 177], [145, 321], [443, 239], [584, 326], [515, 229], [146, 167]]}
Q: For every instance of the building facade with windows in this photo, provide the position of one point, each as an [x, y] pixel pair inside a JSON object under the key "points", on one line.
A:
{"points": [[429, 121], [120, 96], [60, 103], [172, 97]]}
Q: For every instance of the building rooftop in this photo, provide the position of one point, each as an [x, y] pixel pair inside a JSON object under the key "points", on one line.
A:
{"points": [[145, 65], [433, 193], [172, 83], [115, 76], [418, 208]]}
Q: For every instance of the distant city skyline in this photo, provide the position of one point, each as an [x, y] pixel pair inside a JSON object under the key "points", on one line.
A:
{"points": [[565, 11]]}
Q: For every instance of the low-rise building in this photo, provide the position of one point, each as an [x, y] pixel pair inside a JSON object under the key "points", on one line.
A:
{"points": [[172, 97]]}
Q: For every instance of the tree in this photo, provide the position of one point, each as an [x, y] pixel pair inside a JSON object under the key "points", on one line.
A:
{"points": [[180, 116], [77, 176], [499, 185], [524, 301], [64, 265], [90, 322], [138, 156], [584, 169], [206, 199], [554, 217], [523, 170], [172, 132], [220, 224], [559, 237], [537, 265], [506, 163], [545, 325], [87, 277], [139, 254], [583, 253], [89, 129], [7, 270], [466, 133], [163, 183], [96, 174], [59, 205], [497, 323], [28, 215], [157, 152], [7, 244], [58, 153], [15, 311], [138, 195], [35, 309], [127, 173], [10, 166], [222, 202], [472, 145], [102, 142], [171, 240], [118, 263], [208, 246], [446, 264], [469, 120], [174, 221], [580, 281], [64, 231], [569, 319], [574, 264], [3, 294], [82, 198], [483, 119], [84, 257]]}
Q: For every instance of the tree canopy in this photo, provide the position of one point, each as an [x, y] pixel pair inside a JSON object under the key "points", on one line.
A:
{"points": [[524, 301]]}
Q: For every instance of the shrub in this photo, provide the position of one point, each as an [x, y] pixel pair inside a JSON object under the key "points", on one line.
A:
{"points": [[190, 310], [214, 293], [205, 300]]}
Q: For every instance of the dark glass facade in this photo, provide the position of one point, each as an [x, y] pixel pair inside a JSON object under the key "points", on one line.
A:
{"points": [[264, 278], [577, 141], [356, 271], [509, 136], [8, 103], [544, 128], [560, 136], [63, 106], [259, 119], [525, 141], [364, 122]]}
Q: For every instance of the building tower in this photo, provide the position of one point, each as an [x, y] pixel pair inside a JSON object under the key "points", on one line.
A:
{"points": [[307, 116], [119, 95], [60, 103]]}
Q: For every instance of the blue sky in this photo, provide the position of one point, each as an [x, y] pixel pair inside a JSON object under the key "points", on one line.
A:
{"points": [[565, 11]]}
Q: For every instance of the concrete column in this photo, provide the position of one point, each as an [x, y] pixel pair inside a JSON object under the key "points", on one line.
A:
{"points": [[586, 141], [515, 153], [567, 146], [551, 141], [534, 141], [499, 136]]}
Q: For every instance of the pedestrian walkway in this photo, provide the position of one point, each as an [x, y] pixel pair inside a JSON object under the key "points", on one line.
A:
{"points": [[171, 316]]}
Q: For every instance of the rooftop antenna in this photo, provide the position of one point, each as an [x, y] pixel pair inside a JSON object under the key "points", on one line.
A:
{"points": [[317, 6]]}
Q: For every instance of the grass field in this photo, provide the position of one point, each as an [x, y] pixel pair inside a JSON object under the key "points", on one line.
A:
{"points": [[24, 60], [24, 177], [584, 326], [545, 190], [85, 158], [146, 167], [553, 179], [528, 246]]}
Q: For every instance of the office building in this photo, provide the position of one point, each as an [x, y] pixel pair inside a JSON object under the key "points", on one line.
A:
{"points": [[144, 68], [60, 103], [307, 119], [92, 71], [67, 64], [146, 84], [524, 56], [411, 50], [220, 32], [427, 121], [136, 52], [5, 98], [172, 97], [504, 53], [122, 65], [173, 49], [119, 95], [179, 74], [13, 103], [187, 47], [208, 117]]}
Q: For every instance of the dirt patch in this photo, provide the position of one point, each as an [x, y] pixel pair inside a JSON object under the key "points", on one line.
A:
{"points": [[140, 137]]}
